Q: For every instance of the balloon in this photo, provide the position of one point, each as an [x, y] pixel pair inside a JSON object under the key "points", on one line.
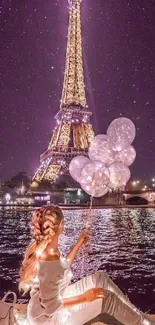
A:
{"points": [[95, 179], [119, 175], [102, 137], [76, 166], [100, 149], [121, 133], [127, 156]]}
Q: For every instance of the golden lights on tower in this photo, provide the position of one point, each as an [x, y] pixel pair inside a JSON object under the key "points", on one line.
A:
{"points": [[73, 131]]}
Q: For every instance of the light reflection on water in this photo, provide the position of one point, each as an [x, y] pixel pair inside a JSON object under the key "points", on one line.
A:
{"points": [[122, 244]]}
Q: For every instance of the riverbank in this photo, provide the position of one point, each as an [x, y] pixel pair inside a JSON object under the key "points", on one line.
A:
{"points": [[75, 207], [78, 207]]}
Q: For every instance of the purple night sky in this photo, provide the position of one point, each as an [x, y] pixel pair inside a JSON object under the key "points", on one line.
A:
{"points": [[119, 63]]}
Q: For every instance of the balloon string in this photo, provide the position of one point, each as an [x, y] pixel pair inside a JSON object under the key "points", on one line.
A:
{"points": [[87, 227], [88, 216]]}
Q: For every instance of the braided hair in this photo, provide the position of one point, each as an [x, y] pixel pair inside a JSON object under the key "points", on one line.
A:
{"points": [[45, 224]]}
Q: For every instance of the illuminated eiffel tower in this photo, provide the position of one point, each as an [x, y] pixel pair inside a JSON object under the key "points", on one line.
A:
{"points": [[73, 131]]}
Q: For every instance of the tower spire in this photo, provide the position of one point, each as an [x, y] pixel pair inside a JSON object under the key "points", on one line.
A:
{"points": [[73, 86], [73, 131]]}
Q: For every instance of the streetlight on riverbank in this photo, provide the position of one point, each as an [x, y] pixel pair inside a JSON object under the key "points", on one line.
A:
{"points": [[135, 183]]}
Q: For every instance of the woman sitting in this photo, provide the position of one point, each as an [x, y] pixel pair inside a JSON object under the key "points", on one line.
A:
{"points": [[54, 300]]}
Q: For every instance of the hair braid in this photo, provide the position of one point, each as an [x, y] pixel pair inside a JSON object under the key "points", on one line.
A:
{"points": [[45, 224], [50, 227], [36, 226]]}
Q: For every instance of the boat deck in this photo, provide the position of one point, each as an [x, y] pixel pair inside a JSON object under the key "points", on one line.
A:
{"points": [[106, 319]]}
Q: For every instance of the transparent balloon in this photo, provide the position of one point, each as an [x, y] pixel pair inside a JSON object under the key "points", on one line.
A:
{"points": [[119, 175], [127, 156], [95, 179], [102, 137], [121, 133], [76, 166], [100, 149]]}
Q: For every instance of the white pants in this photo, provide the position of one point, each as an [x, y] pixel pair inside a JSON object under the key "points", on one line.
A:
{"points": [[115, 302]]}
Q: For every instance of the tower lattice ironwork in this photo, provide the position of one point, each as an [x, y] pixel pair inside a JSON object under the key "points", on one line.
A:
{"points": [[73, 131]]}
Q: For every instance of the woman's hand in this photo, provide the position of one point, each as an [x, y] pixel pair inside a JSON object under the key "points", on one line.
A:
{"points": [[83, 239], [93, 294], [88, 296]]}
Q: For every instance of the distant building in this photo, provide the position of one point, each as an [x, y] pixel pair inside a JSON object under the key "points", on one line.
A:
{"points": [[41, 197], [75, 196], [25, 200]]}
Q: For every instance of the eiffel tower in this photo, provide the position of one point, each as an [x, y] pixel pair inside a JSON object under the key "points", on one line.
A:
{"points": [[73, 131]]}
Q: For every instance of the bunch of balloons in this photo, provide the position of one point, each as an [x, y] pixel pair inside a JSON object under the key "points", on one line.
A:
{"points": [[109, 159]]}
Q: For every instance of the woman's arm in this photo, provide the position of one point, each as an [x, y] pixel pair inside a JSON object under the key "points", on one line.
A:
{"points": [[82, 240], [72, 254], [88, 296]]}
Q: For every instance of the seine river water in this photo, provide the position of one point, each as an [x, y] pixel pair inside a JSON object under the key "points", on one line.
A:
{"points": [[122, 244]]}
